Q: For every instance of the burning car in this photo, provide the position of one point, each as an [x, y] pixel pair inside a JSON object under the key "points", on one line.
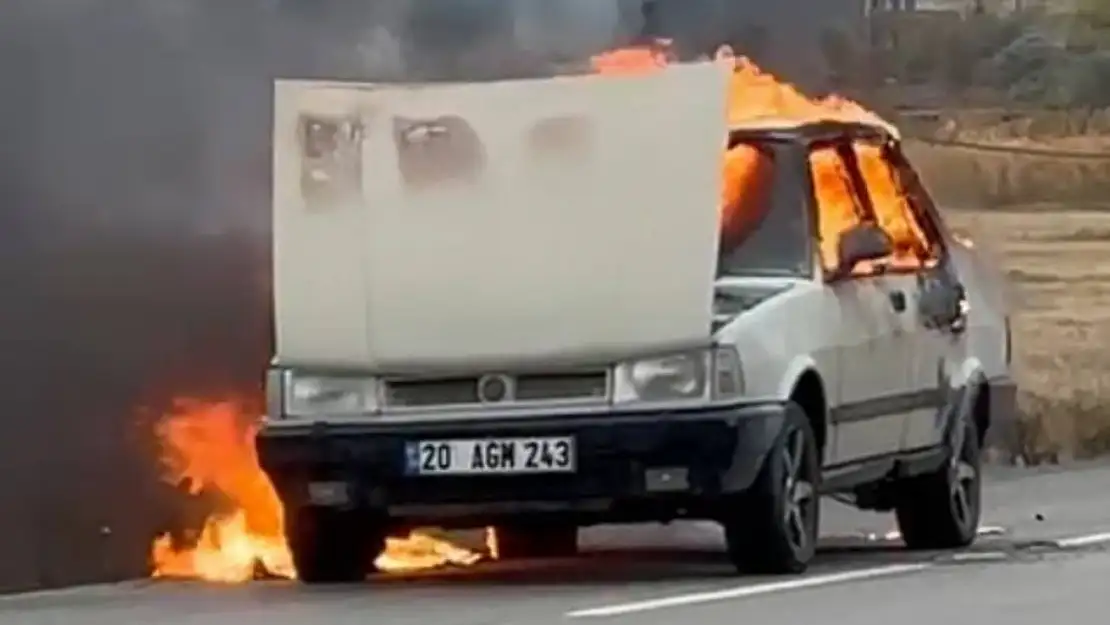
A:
{"points": [[475, 327]]}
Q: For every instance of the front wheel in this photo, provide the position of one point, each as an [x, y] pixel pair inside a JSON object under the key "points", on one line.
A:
{"points": [[772, 529], [333, 546]]}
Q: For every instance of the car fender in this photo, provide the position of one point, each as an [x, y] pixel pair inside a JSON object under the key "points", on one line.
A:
{"points": [[781, 338], [967, 372], [794, 371], [966, 381]]}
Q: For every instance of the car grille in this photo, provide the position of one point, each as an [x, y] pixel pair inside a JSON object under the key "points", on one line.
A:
{"points": [[445, 392], [562, 386], [529, 388]]}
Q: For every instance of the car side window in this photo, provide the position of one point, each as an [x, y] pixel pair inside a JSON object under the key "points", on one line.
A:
{"points": [[895, 212], [745, 195], [838, 204], [765, 228], [920, 203]]}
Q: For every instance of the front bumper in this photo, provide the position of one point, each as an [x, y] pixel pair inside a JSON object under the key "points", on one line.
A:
{"points": [[647, 465]]}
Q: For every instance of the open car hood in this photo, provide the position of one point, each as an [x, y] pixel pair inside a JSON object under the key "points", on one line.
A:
{"points": [[509, 223]]}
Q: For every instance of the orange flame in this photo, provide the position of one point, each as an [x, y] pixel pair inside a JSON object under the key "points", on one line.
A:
{"points": [[755, 97], [631, 61], [758, 99], [421, 551], [210, 447]]}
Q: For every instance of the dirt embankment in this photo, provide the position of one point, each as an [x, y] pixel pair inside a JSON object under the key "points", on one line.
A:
{"points": [[1034, 191], [992, 158], [964, 177]]}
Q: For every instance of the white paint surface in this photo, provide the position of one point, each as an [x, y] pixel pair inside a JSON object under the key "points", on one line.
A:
{"points": [[535, 259], [1087, 540], [741, 592]]}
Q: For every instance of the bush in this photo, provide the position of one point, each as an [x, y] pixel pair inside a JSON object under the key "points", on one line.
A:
{"points": [[1032, 68]]}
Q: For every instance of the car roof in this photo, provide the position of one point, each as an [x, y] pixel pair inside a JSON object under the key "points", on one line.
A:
{"points": [[809, 132]]}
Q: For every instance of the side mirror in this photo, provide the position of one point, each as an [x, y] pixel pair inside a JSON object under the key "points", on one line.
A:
{"points": [[862, 242], [942, 303]]}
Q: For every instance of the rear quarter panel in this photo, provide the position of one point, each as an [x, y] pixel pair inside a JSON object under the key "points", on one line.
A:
{"points": [[988, 313]]}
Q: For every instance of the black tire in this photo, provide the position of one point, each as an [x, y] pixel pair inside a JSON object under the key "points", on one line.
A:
{"points": [[520, 542], [773, 528], [940, 510], [333, 546]]}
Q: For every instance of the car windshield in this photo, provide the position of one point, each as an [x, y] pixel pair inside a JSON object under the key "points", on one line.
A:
{"points": [[764, 224]]}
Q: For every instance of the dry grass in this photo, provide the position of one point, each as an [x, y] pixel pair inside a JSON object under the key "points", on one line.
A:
{"points": [[1047, 221], [1058, 261], [968, 178]]}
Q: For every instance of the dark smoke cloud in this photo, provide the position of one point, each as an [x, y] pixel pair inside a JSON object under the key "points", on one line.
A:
{"points": [[134, 219], [134, 225], [159, 104]]}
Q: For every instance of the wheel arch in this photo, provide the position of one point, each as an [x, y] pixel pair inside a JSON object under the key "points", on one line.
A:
{"points": [[972, 380], [808, 391]]}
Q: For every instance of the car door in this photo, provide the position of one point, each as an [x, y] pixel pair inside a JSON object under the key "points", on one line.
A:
{"points": [[939, 346], [866, 420], [904, 211]]}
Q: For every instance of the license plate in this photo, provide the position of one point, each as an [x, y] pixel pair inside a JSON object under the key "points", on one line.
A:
{"points": [[497, 456]]}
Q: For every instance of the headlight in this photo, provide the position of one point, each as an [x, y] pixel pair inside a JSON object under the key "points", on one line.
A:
{"points": [[728, 375], [690, 376], [670, 378], [311, 395]]}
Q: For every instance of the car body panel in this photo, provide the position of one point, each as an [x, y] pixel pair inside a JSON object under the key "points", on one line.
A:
{"points": [[893, 386], [894, 382], [711, 452], [525, 236], [988, 312], [829, 327], [931, 358]]}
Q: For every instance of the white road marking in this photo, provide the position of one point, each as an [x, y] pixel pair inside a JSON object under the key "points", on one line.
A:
{"points": [[1083, 541], [978, 556], [893, 535], [748, 591], [90, 590]]}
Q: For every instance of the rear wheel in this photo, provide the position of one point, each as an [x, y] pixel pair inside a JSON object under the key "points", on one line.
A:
{"points": [[333, 546], [940, 510], [772, 529], [518, 542]]}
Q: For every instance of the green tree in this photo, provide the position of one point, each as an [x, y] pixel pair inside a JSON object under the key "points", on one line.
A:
{"points": [[1091, 25]]}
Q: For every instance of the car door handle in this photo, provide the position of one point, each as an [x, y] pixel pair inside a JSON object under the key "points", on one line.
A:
{"points": [[898, 301]]}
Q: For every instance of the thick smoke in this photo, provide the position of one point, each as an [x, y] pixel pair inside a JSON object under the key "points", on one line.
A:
{"points": [[134, 217], [156, 107], [134, 222]]}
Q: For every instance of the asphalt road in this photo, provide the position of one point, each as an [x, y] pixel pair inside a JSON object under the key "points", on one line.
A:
{"points": [[662, 575]]}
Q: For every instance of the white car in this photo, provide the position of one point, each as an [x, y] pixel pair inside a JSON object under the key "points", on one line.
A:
{"points": [[543, 332]]}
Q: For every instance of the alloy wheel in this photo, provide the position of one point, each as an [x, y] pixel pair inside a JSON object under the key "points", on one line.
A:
{"points": [[964, 477], [800, 494]]}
